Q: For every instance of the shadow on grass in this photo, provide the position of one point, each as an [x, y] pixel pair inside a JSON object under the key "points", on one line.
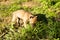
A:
{"points": [[42, 17]]}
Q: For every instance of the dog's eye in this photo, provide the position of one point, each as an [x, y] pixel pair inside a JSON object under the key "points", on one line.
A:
{"points": [[31, 16]]}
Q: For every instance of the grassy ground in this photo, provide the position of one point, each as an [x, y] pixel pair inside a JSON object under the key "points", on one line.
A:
{"points": [[47, 26]]}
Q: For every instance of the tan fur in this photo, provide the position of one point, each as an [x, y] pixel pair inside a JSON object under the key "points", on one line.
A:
{"points": [[25, 16]]}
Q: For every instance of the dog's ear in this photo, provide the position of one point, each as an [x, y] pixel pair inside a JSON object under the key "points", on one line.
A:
{"points": [[31, 16], [36, 16]]}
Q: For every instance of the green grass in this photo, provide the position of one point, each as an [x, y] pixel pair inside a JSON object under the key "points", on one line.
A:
{"points": [[46, 27]]}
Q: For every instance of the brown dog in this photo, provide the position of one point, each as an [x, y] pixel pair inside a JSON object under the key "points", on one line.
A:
{"points": [[25, 16]]}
